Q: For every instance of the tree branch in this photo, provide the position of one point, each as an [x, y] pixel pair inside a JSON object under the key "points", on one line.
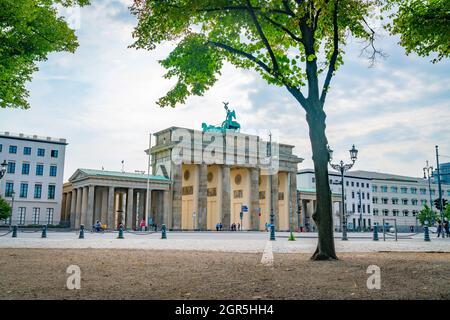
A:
{"points": [[266, 43], [371, 43], [244, 54], [334, 55], [279, 25]]}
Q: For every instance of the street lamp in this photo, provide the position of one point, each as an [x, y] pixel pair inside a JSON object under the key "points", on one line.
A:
{"points": [[341, 167], [427, 174], [3, 168], [12, 207]]}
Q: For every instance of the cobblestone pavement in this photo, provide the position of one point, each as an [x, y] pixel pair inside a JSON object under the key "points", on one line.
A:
{"points": [[222, 241]]}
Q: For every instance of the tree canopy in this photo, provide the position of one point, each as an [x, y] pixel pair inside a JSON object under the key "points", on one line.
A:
{"points": [[29, 31], [5, 209], [423, 26]]}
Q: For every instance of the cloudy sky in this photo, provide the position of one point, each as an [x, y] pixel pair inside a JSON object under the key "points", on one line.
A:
{"points": [[102, 100]]}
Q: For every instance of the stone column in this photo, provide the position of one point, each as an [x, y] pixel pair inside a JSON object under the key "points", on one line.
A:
{"points": [[254, 199], [98, 204], [274, 200], [293, 200], [130, 213], [104, 206], [84, 207], [73, 206], [202, 196], [63, 210], [67, 207], [308, 214], [226, 198], [90, 207], [177, 193], [78, 208], [167, 204], [110, 208]]}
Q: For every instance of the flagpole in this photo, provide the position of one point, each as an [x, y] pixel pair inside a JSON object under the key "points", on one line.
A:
{"points": [[147, 198]]}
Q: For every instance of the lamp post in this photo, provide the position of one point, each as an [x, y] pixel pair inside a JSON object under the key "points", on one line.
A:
{"points": [[427, 173], [272, 215], [342, 168], [12, 207], [441, 201]]}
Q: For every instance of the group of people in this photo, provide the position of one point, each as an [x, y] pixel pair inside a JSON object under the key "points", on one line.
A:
{"points": [[97, 227], [443, 228], [235, 227], [219, 226]]}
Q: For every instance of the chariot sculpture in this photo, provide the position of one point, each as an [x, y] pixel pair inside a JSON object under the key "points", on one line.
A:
{"points": [[228, 124]]}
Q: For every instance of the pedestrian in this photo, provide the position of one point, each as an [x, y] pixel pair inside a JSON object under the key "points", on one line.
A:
{"points": [[142, 224], [217, 226], [446, 227], [439, 229], [220, 226]]}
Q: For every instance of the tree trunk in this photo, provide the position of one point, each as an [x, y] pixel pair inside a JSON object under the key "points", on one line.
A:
{"points": [[322, 216]]}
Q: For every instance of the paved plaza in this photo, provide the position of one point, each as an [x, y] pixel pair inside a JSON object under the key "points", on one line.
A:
{"points": [[245, 242]]}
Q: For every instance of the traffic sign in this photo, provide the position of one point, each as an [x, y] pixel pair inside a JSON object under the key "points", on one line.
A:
{"points": [[244, 208]]}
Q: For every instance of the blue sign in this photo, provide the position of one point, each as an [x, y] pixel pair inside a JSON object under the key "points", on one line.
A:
{"points": [[244, 208]]}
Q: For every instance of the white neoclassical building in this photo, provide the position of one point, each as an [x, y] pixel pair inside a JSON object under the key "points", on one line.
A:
{"points": [[34, 177]]}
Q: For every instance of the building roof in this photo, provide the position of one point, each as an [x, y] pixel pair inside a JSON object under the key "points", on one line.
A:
{"points": [[385, 176], [35, 138], [119, 174]]}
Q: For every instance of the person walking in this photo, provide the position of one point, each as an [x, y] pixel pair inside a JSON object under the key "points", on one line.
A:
{"points": [[142, 224], [220, 226], [217, 227], [446, 227], [439, 228]]}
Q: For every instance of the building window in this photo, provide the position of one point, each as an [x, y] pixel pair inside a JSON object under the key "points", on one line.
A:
{"points": [[13, 149], [11, 167], [26, 151], [313, 180], [362, 193], [405, 213], [364, 208], [414, 202], [9, 188], [414, 213], [346, 183], [394, 189], [37, 191], [368, 208], [405, 202], [394, 201], [357, 184], [353, 184], [374, 200], [374, 189], [414, 190], [383, 188], [375, 212], [368, 196], [1, 147], [36, 215], [50, 212], [423, 202], [40, 152], [52, 171], [353, 207], [51, 191], [237, 194], [23, 190], [367, 185], [395, 213], [384, 200], [39, 169], [404, 190], [385, 212], [353, 195], [423, 191], [433, 192], [25, 168], [22, 213], [54, 153]]}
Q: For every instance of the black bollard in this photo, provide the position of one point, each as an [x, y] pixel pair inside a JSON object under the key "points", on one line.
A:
{"points": [[375, 233], [81, 232], [44, 231], [120, 233], [14, 232], [163, 232], [426, 234]]}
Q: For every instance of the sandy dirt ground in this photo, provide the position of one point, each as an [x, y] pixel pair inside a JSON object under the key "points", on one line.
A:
{"points": [[134, 274]]}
